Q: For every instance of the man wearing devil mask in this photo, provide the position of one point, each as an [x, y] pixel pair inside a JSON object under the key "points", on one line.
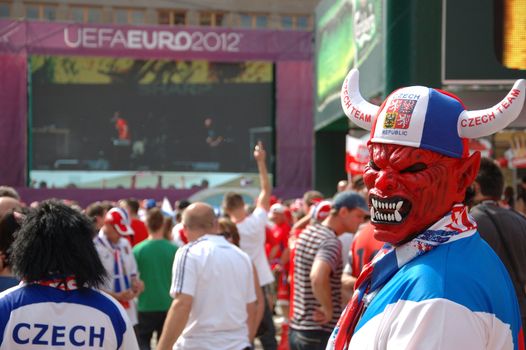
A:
{"points": [[436, 284]]}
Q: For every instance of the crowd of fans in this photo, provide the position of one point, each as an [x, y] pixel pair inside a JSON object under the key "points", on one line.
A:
{"points": [[175, 279]]}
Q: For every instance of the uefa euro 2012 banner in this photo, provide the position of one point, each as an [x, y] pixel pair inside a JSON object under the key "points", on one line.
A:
{"points": [[153, 41]]}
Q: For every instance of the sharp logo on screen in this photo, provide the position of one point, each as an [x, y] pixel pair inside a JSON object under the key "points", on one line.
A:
{"points": [[137, 39]]}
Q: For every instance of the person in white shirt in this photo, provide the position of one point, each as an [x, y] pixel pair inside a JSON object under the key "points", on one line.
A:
{"points": [[116, 254], [213, 289], [251, 229]]}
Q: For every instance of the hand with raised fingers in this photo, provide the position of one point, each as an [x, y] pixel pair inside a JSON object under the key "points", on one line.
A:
{"points": [[259, 152]]}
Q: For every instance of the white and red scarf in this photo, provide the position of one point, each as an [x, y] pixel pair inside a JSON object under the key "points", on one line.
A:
{"points": [[455, 225], [65, 283]]}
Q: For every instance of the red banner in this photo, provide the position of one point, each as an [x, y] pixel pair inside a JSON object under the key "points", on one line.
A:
{"points": [[356, 155], [482, 145]]}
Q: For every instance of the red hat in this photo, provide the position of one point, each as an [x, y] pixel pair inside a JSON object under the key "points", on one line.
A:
{"points": [[425, 118], [321, 210], [118, 218]]}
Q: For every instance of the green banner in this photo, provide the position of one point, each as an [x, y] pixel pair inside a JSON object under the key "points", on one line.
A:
{"points": [[348, 34]]}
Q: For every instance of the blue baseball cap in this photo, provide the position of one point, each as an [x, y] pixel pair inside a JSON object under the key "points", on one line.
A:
{"points": [[350, 200], [150, 203]]}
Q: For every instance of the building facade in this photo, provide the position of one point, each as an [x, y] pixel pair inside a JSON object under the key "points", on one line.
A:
{"points": [[256, 14]]}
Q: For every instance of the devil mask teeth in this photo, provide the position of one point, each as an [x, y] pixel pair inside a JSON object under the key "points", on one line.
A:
{"points": [[389, 210]]}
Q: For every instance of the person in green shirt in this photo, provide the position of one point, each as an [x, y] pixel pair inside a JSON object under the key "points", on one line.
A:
{"points": [[154, 258]]}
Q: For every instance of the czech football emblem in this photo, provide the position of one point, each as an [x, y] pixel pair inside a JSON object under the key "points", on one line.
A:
{"points": [[398, 113]]}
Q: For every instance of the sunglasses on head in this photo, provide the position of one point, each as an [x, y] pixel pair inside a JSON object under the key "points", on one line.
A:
{"points": [[227, 235]]}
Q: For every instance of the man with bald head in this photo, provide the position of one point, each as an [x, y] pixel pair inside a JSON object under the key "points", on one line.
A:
{"points": [[8, 205], [213, 289], [8, 191]]}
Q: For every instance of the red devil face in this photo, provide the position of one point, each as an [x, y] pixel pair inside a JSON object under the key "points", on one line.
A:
{"points": [[411, 188]]}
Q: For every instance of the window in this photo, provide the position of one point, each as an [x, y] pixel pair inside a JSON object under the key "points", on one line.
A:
{"points": [[50, 13], [32, 12], [137, 17], [163, 17], [205, 19], [76, 14], [297, 22], [5, 10], [302, 22], [211, 19], [245, 21], [261, 21], [94, 15], [128, 16], [179, 18], [287, 22], [248, 20], [219, 20], [86, 14], [120, 16], [172, 17], [41, 11]]}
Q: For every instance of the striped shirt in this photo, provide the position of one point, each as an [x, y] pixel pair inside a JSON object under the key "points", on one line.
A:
{"points": [[316, 242]]}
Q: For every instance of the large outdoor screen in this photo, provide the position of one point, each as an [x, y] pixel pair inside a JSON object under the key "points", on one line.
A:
{"points": [[483, 46], [511, 19], [111, 121]]}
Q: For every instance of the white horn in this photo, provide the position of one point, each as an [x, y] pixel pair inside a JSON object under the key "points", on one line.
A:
{"points": [[355, 107], [480, 123]]}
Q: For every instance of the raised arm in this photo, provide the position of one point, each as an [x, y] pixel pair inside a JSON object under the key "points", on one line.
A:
{"points": [[260, 155]]}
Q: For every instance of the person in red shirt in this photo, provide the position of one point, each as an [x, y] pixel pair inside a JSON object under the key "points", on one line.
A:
{"points": [[277, 241], [277, 244], [139, 228], [121, 125], [363, 249]]}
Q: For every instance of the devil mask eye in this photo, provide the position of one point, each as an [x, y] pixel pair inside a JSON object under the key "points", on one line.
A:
{"points": [[373, 165], [415, 168]]}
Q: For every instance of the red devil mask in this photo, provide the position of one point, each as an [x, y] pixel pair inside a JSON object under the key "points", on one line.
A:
{"points": [[411, 188]]}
